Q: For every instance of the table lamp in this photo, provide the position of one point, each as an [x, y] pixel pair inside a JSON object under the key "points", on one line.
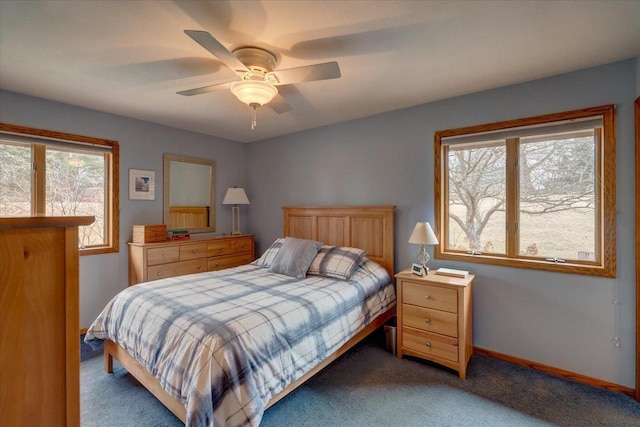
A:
{"points": [[423, 235], [235, 196]]}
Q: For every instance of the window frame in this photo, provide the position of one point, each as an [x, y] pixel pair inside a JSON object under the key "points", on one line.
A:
{"points": [[605, 238], [112, 185]]}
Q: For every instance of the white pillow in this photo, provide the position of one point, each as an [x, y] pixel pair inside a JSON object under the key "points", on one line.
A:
{"points": [[338, 262]]}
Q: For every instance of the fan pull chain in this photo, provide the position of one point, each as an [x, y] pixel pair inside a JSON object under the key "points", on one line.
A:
{"points": [[253, 117]]}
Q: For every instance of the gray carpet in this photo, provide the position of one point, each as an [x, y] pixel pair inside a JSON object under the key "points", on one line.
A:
{"points": [[370, 387]]}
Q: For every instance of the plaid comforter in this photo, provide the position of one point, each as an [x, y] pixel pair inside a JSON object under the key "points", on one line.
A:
{"points": [[224, 343]]}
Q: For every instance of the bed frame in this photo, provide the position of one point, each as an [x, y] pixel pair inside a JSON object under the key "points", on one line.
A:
{"points": [[366, 227]]}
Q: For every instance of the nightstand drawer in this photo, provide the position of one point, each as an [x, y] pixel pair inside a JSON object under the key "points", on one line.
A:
{"points": [[429, 320], [219, 263], [157, 256], [429, 296], [193, 251], [430, 344], [176, 269]]}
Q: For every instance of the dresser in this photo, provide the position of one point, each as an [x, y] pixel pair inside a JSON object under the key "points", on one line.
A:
{"points": [[435, 319], [153, 261], [39, 321]]}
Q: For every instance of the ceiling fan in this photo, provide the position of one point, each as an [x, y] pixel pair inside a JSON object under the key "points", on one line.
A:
{"points": [[256, 75]]}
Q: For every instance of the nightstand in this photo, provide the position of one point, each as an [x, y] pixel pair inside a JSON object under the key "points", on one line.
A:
{"points": [[435, 318]]}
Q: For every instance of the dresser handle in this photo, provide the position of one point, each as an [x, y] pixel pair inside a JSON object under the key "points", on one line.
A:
{"points": [[164, 255], [198, 267], [217, 264], [159, 273], [428, 344], [427, 297], [427, 321], [220, 249], [195, 251]]}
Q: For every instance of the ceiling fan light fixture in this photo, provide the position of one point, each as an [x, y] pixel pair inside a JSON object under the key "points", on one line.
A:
{"points": [[254, 92]]}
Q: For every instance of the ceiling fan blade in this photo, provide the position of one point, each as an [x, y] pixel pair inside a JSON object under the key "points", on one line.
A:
{"points": [[216, 48], [204, 89], [308, 73], [279, 104]]}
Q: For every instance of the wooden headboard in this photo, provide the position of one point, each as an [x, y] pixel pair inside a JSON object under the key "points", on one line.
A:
{"points": [[365, 227]]}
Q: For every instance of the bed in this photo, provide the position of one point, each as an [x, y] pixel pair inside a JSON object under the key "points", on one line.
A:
{"points": [[265, 333]]}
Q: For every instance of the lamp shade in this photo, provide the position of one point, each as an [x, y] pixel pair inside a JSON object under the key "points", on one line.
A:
{"points": [[253, 92], [423, 235], [235, 196]]}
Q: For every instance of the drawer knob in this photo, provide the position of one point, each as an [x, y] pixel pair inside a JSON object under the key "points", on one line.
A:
{"points": [[428, 344], [195, 251], [220, 249], [217, 264], [159, 273], [198, 267], [427, 321], [164, 255], [427, 297]]}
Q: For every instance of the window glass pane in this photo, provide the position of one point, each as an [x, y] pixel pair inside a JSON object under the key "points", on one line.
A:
{"points": [[15, 179], [76, 186], [557, 196], [477, 191]]}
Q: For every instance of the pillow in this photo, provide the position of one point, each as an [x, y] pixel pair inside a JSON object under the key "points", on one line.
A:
{"points": [[267, 257], [338, 262], [294, 257]]}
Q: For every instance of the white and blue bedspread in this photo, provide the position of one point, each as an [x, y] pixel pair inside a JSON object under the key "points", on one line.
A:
{"points": [[224, 343]]}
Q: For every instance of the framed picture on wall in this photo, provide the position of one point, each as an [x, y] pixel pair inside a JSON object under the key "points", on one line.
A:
{"points": [[142, 184]]}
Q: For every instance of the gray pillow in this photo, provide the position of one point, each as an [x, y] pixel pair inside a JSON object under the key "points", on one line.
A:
{"points": [[295, 257]]}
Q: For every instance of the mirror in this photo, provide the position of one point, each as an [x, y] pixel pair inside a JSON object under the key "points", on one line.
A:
{"points": [[189, 194]]}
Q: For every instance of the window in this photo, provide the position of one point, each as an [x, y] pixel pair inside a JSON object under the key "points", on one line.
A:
{"points": [[534, 193], [59, 174]]}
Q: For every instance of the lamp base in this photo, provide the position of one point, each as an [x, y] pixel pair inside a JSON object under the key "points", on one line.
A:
{"points": [[235, 220], [423, 257]]}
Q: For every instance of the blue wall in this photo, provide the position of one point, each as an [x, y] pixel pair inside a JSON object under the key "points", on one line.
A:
{"points": [[561, 320]]}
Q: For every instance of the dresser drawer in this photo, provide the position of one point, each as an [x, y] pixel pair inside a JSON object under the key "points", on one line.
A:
{"points": [[193, 251], [436, 297], [219, 263], [426, 319], [222, 247], [241, 245], [164, 255], [176, 269], [430, 344]]}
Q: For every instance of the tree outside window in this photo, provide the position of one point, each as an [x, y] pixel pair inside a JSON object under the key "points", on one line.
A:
{"points": [[534, 193]]}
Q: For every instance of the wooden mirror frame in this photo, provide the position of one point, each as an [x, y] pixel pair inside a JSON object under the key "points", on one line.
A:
{"points": [[168, 158]]}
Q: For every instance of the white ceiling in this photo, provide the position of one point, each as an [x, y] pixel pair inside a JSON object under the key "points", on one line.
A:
{"points": [[131, 57]]}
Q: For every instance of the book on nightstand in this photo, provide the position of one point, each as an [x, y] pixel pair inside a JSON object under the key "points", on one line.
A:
{"points": [[452, 272]]}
